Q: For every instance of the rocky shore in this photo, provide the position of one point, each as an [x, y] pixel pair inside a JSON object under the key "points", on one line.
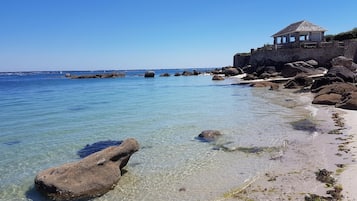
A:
{"points": [[325, 168]]}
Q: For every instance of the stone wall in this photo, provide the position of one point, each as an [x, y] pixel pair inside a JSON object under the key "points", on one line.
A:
{"points": [[278, 57], [240, 60], [351, 50]]}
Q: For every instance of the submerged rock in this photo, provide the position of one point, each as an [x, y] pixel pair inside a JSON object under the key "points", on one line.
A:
{"points": [[304, 125], [217, 77], [209, 135], [90, 177]]}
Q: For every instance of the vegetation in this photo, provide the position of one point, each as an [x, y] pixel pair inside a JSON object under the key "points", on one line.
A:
{"points": [[352, 34]]}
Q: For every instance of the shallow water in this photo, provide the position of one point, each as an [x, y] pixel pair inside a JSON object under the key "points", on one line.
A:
{"points": [[45, 119]]}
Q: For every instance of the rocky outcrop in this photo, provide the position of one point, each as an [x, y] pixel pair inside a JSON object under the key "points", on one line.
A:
{"points": [[209, 135], [340, 94], [149, 74], [104, 75], [231, 71], [90, 177], [294, 68]]}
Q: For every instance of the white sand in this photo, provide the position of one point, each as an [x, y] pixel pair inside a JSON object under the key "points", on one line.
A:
{"points": [[296, 176], [348, 178]]}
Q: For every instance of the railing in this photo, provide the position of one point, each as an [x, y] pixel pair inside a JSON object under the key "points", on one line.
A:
{"points": [[306, 45]]}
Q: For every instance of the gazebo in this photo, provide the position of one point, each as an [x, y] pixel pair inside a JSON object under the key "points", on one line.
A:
{"points": [[302, 31]]}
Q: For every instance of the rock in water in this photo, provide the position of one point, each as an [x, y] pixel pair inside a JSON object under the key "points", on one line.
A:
{"points": [[90, 177], [209, 135]]}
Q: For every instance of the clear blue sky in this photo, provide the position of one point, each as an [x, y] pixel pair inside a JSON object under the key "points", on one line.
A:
{"points": [[148, 34]]}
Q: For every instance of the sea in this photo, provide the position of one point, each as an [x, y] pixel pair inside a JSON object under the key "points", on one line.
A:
{"points": [[46, 119]]}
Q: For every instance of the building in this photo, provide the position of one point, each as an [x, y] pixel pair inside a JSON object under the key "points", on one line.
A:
{"points": [[300, 41], [298, 33]]}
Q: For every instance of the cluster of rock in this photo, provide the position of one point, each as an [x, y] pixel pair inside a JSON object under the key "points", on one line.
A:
{"points": [[90, 177], [90, 76], [333, 86]]}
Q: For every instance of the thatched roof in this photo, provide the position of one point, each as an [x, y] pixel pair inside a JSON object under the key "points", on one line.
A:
{"points": [[302, 26]]}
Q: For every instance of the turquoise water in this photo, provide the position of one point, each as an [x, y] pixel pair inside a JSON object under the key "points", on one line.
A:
{"points": [[45, 119]]}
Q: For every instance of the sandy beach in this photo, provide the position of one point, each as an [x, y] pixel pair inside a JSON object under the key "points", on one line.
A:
{"points": [[349, 176], [332, 147]]}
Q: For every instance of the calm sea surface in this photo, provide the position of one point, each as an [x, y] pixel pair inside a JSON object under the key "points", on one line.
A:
{"points": [[46, 118]]}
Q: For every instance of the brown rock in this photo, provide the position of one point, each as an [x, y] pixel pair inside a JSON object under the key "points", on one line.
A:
{"points": [[327, 99], [272, 85], [217, 77], [337, 88], [209, 135], [90, 177], [349, 101]]}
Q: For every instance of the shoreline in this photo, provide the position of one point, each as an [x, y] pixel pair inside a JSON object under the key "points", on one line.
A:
{"points": [[295, 179], [349, 176]]}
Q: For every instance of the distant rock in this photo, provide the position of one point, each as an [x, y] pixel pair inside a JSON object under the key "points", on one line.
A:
{"points": [[149, 74], [91, 76], [165, 75], [90, 177], [231, 71], [187, 73], [217, 77], [209, 135]]}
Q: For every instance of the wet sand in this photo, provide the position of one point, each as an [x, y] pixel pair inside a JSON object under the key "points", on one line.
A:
{"points": [[349, 176], [296, 176]]}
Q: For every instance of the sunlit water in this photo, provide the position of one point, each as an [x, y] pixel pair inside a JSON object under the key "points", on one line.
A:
{"points": [[45, 119]]}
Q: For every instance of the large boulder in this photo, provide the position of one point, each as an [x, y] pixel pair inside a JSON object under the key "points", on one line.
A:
{"points": [[343, 61], [231, 71], [337, 88], [298, 82], [149, 74], [294, 68], [90, 177], [348, 101], [333, 94], [327, 99], [319, 83], [342, 72]]}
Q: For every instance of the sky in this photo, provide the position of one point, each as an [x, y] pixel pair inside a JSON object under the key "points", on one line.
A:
{"points": [[150, 34]]}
